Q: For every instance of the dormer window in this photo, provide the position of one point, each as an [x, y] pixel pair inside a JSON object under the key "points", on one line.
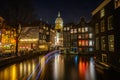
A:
{"points": [[102, 13], [117, 3]]}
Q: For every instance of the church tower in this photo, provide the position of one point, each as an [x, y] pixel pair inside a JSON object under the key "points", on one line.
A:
{"points": [[59, 23], [59, 30]]}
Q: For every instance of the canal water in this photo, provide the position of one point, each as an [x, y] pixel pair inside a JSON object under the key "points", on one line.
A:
{"points": [[56, 67]]}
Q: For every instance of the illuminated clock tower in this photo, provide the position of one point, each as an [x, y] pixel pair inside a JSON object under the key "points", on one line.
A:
{"points": [[59, 31]]}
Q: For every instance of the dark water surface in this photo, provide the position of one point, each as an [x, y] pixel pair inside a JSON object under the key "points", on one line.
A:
{"points": [[57, 67]]}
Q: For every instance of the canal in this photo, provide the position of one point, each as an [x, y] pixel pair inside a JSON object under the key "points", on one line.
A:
{"points": [[56, 67]]}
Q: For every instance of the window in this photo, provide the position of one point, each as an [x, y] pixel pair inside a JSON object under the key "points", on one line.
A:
{"points": [[47, 33], [0, 32], [97, 43], [83, 42], [117, 3], [75, 30], [71, 30], [75, 36], [80, 42], [86, 29], [83, 30], [83, 36], [90, 35], [110, 23], [111, 42], [80, 49], [86, 35], [79, 36], [103, 43], [41, 30], [102, 23], [64, 28], [79, 29], [104, 58], [90, 49], [90, 43], [68, 28], [86, 43], [102, 13], [96, 28]]}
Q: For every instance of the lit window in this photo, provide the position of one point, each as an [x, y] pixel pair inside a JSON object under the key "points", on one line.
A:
{"points": [[111, 42], [104, 58], [64, 28], [80, 49], [86, 29], [41, 31], [46, 28], [103, 42], [96, 28], [97, 43], [86, 35], [79, 36], [90, 35], [110, 23], [117, 3], [79, 29], [83, 30], [80, 43], [102, 13], [90, 49], [83, 42], [68, 28], [86, 42], [90, 43], [71, 30], [47, 33], [75, 30], [102, 23]]}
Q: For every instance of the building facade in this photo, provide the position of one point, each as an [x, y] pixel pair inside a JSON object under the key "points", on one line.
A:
{"points": [[66, 37], [105, 19], [85, 37], [7, 37], [79, 38]]}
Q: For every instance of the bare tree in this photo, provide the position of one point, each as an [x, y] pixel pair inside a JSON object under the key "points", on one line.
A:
{"points": [[17, 13]]}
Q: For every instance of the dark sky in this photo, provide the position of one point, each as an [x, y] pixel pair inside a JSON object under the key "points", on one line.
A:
{"points": [[71, 10]]}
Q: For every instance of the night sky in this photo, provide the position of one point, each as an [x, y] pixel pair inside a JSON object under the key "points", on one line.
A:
{"points": [[71, 10]]}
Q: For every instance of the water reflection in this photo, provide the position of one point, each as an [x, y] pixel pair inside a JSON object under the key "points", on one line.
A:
{"points": [[18, 71], [58, 67], [86, 69]]}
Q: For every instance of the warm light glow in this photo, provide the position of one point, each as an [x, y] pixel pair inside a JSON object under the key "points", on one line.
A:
{"points": [[86, 69], [28, 39], [58, 67], [14, 73]]}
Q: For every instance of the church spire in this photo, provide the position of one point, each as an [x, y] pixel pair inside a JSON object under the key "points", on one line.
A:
{"points": [[59, 14]]}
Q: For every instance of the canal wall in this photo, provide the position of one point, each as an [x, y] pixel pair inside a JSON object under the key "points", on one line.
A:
{"points": [[14, 59]]}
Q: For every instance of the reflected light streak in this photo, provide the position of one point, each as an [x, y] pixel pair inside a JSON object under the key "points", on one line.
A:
{"points": [[87, 70], [21, 69], [6, 74], [47, 55], [58, 67], [76, 61], [14, 73], [24, 68], [29, 68], [92, 69], [42, 66]]}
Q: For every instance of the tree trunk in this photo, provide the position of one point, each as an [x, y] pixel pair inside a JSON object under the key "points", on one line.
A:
{"points": [[16, 48]]}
